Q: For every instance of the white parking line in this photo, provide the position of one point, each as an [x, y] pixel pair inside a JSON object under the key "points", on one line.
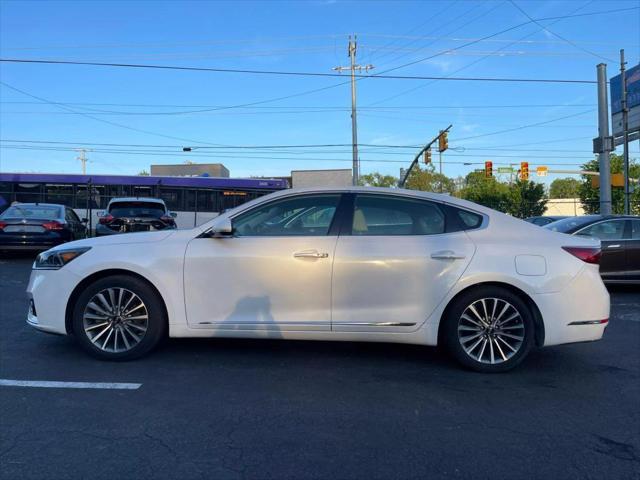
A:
{"points": [[49, 384]]}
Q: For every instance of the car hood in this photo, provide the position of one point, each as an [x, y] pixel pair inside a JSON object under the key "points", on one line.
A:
{"points": [[121, 239]]}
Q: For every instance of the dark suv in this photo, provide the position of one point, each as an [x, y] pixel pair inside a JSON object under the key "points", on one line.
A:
{"points": [[125, 215]]}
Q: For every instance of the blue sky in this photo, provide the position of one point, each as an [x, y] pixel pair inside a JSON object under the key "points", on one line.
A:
{"points": [[311, 37]]}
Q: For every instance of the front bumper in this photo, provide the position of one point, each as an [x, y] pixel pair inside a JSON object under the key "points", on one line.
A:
{"points": [[48, 292]]}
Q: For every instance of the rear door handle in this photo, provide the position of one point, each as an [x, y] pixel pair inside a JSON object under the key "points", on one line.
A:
{"points": [[310, 254], [617, 245], [447, 255]]}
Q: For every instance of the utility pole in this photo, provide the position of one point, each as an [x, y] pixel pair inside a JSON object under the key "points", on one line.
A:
{"points": [[603, 144], [625, 131], [354, 122], [83, 159]]}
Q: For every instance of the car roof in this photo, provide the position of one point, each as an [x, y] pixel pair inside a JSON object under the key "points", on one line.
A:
{"points": [[440, 197], [136, 199], [33, 204]]}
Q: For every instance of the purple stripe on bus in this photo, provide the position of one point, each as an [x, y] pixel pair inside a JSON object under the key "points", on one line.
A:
{"points": [[201, 182]]}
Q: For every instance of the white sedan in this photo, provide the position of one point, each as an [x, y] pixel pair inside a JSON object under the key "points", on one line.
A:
{"points": [[351, 264]]}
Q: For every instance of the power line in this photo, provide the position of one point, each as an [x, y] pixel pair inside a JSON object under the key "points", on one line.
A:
{"points": [[523, 126], [174, 154], [546, 29], [292, 73], [413, 89]]}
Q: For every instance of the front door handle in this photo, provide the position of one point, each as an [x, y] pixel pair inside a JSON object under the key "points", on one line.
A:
{"points": [[617, 245], [447, 255], [310, 254]]}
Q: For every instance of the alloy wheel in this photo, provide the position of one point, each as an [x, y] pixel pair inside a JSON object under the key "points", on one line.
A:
{"points": [[115, 320], [491, 330]]}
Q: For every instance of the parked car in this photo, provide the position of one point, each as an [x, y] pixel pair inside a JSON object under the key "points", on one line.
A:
{"points": [[354, 264], [541, 221], [125, 215], [39, 226], [620, 237]]}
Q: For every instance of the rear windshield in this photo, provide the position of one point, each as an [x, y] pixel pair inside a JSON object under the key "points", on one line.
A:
{"points": [[32, 211], [568, 224], [136, 209]]}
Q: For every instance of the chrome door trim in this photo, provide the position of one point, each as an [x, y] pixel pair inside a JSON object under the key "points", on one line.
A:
{"points": [[374, 324]]}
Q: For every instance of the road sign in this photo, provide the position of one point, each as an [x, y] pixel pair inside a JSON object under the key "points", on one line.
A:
{"points": [[617, 180], [542, 171], [633, 102], [505, 169]]}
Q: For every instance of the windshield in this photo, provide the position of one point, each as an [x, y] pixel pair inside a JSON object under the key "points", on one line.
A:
{"points": [[568, 224], [31, 211], [137, 209]]}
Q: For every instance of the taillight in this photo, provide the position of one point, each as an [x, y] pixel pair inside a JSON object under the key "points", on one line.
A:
{"points": [[53, 225], [167, 219], [586, 254], [2, 224], [106, 219]]}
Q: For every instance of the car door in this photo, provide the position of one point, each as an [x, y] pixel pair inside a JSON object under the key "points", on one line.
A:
{"points": [[614, 245], [396, 264], [272, 274], [633, 251]]}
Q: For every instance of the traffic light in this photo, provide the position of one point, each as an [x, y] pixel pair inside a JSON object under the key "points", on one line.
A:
{"points": [[524, 171], [488, 169], [427, 156], [443, 142]]}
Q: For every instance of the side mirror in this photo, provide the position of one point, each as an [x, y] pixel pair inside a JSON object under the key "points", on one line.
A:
{"points": [[173, 214], [223, 228], [101, 213], [84, 220]]}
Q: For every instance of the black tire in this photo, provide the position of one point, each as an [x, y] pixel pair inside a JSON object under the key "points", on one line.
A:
{"points": [[155, 324], [492, 333]]}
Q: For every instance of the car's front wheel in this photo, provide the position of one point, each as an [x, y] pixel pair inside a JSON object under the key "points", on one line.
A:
{"points": [[119, 317], [489, 329]]}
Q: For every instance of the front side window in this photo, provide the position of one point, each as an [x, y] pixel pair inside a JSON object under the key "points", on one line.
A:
{"points": [[384, 215], [635, 229], [300, 216], [611, 230]]}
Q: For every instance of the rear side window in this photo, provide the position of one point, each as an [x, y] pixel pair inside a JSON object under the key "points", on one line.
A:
{"points": [[386, 215], [469, 219]]}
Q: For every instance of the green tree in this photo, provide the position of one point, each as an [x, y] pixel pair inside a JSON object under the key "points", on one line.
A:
{"points": [[377, 179], [521, 199], [590, 196], [143, 173], [564, 188], [486, 191], [429, 181], [527, 199]]}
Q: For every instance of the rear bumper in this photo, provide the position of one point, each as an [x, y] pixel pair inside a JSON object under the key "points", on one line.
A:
{"points": [[578, 312], [16, 241]]}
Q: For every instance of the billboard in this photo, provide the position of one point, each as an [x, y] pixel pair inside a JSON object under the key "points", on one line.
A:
{"points": [[633, 102]]}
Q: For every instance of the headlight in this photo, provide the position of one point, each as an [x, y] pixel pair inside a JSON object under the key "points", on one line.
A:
{"points": [[53, 260]]}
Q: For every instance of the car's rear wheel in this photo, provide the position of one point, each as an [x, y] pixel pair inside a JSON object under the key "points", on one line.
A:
{"points": [[489, 329], [119, 318]]}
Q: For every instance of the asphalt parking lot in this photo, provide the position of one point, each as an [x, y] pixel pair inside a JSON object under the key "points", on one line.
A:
{"points": [[268, 409]]}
